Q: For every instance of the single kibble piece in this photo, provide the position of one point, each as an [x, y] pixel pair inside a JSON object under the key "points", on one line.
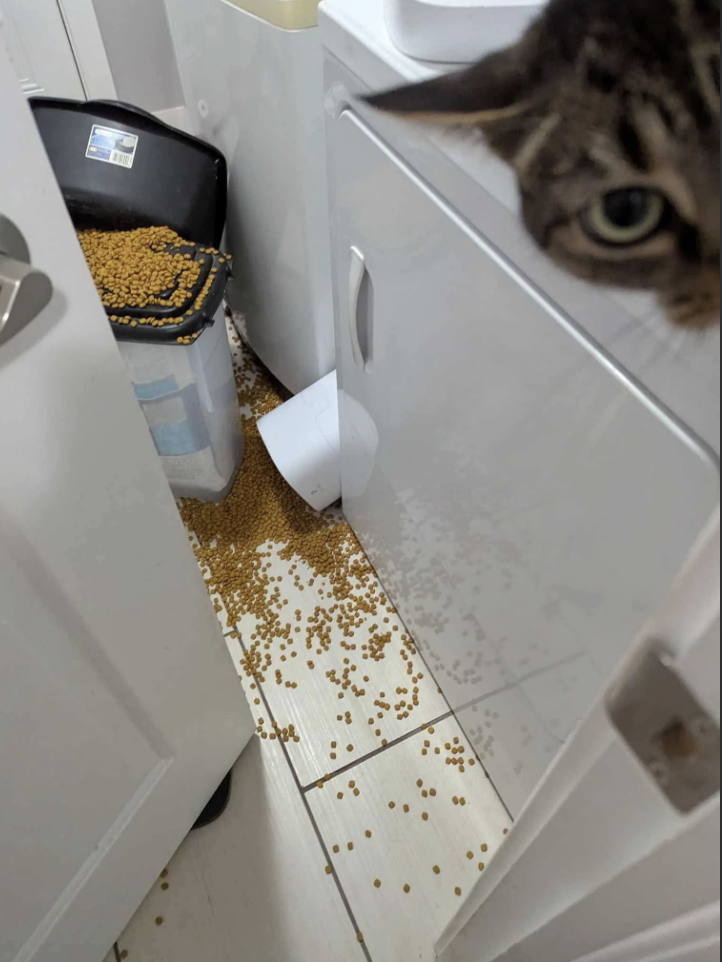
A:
{"points": [[458, 892], [165, 886], [339, 796], [470, 856], [359, 936], [437, 870], [392, 805], [350, 846], [377, 883], [406, 809], [159, 920], [455, 800], [336, 849], [481, 866], [407, 889], [329, 870], [425, 816], [420, 783]]}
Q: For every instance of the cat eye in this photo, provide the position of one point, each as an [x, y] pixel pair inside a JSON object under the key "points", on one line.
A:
{"points": [[622, 218]]}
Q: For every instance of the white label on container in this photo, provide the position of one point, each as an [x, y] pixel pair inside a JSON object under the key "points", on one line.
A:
{"points": [[112, 146]]}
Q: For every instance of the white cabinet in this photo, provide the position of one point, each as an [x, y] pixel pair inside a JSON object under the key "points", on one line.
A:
{"points": [[39, 48], [525, 504]]}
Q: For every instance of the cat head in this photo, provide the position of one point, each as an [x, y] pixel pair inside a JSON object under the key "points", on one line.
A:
{"points": [[608, 110]]}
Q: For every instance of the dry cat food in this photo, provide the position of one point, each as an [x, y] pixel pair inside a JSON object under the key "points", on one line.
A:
{"points": [[263, 521], [151, 267]]}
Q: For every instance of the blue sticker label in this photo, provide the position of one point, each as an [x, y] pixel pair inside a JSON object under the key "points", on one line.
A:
{"points": [[112, 146]]}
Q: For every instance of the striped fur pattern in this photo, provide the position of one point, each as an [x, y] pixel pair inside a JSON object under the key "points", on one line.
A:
{"points": [[609, 111]]}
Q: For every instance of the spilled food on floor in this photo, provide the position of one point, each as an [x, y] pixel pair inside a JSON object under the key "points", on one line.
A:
{"points": [[297, 590], [401, 818]]}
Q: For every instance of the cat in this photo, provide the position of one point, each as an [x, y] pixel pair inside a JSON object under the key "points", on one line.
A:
{"points": [[609, 112]]}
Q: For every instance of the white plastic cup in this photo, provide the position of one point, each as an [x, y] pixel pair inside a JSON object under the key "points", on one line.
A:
{"points": [[303, 439]]}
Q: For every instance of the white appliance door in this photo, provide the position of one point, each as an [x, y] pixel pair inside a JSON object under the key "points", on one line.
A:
{"points": [[525, 504], [120, 710], [39, 48], [608, 863]]}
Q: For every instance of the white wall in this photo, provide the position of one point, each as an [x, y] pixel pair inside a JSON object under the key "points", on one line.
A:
{"points": [[140, 50]]}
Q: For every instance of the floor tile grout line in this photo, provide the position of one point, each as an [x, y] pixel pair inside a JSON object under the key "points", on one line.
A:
{"points": [[339, 886], [520, 681], [452, 713], [358, 761], [378, 751], [319, 837]]}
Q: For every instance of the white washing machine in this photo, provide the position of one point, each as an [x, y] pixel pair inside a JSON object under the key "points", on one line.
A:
{"points": [[527, 459], [252, 76]]}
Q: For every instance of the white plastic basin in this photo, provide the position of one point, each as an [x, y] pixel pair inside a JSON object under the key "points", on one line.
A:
{"points": [[457, 31]]}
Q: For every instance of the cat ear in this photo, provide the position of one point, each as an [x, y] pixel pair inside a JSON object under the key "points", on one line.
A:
{"points": [[494, 95]]}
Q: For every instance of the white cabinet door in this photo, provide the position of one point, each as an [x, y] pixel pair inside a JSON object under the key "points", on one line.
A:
{"points": [[608, 862], [525, 504], [39, 48], [120, 710]]}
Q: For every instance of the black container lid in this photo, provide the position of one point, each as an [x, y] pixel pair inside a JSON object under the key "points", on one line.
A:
{"points": [[167, 178]]}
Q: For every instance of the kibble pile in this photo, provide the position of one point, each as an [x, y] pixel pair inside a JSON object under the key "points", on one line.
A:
{"points": [[263, 517], [146, 268]]}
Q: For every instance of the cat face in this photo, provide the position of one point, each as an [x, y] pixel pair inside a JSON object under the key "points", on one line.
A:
{"points": [[608, 110]]}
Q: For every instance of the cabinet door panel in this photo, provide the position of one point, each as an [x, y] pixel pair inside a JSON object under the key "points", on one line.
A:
{"points": [[524, 503]]}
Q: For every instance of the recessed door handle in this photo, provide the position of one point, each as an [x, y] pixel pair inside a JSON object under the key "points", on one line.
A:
{"points": [[24, 290], [360, 310]]}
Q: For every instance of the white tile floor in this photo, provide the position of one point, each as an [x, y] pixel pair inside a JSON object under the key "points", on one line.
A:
{"points": [[274, 880], [255, 887]]}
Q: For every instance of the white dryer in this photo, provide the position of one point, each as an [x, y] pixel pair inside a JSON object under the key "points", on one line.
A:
{"points": [[526, 459], [252, 75]]}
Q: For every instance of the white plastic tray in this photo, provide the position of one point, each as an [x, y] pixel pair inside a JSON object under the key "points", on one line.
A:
{"points": [[457, 31]]}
